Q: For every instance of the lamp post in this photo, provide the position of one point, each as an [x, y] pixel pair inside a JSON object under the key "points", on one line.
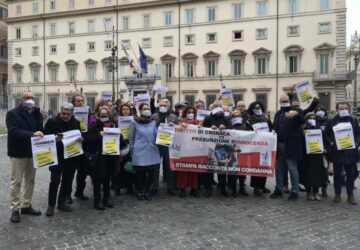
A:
{"points": [[355, 51]]}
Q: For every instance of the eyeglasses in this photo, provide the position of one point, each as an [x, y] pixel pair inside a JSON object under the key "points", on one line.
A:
{"points": [[28, 97]]}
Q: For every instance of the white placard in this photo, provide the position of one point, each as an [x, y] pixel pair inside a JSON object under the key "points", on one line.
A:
{"points": [[162, 90], [261, 127], [201, 114], [124, 123], [217, 109], [227, 97], [111, 141], [82, 115], [305, 92], [344, 136], [44, 151], [165, 134], [72, 148], [142, 98], [106, 95], [314, 141]]}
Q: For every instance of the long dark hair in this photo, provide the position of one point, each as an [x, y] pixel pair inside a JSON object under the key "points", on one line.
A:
{"points": [[253, 105], [125, 105], [184, 113]]}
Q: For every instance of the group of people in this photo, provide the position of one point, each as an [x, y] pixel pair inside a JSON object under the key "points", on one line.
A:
{"points": [[137, 168]]}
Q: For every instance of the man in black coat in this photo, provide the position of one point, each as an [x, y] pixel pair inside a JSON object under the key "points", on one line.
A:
{"points": [[347, 158], [287, 125], [23, 122], [216, 120], [63, 172]]}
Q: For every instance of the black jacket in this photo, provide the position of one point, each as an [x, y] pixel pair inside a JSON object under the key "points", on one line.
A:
{"points": [[55, 126], [217, 120], [21, 126]]}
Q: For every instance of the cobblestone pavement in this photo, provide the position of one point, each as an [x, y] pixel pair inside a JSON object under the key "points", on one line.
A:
{"points": [[175, 223]]}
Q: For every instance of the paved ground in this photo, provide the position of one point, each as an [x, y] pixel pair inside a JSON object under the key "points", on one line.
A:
{"points": [[175, 223]]}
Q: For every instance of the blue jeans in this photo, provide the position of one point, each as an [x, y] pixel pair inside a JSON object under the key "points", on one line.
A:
{"points": [[281, 163]]}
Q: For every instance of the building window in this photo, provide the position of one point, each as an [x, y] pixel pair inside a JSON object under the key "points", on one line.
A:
{"points": [[35, 51], [210, 99], [71, 73], [18, 9], [168, 18], [238, 97], [125, 23], [237, 35], [211, 67], [18, 52], [72, 47], [53, 49], [90, 101], [125, 44], [52, 29], [108, 45], [91, 72], [324, 5], [146, 21], [108, 24], [211, 14], [261, 34], [168, 41], [35, 73], [190, 39], [53, 74], [71, 28], [237, 10], [91, 2], [18, 75], [91, 46], [3, 14], [292, 6], [18, 33], [261, 8], [108, 70], [261, 66], [108, 1], [189, 69], [262, 97], [3, 51], [35, 7], [169, 70], [190, 99], [324, 28], [53, 105], [293, 64], [211, 38], [324, 64], [35, 31], [146, 42], [71, 4], [294, 30], [190, 17], [293, 55], [91, 26], [52, 4], [237, 67]]}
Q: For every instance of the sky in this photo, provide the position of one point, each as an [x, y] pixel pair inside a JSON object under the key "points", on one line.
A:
{"points": [[353, 18]]}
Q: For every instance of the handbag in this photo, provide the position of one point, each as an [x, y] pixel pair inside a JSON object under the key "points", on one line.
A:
{"points": [[91, 158], [129, 168]]}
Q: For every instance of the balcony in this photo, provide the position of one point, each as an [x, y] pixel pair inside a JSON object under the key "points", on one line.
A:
{"points": [[331, 76]]}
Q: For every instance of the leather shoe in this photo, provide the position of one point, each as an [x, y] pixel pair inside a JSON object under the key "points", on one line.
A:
{"points": [[65, 208], [30, 211], [50, 211], [15, 217], [81, 197], [99, 207]]}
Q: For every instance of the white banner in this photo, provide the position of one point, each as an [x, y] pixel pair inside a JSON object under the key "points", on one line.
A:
{"points": [[344, 136], [124, 123], [111, 141], [72, 148], [314, 141], [82, 115], [44, 151]]}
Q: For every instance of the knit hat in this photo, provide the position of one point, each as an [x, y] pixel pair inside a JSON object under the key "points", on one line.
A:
{"points": [[309, 114]]}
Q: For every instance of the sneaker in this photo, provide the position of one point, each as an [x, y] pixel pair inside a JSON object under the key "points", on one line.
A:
{"points": [[317, 197], [337, 198], [63, 207], [30, 211], [50, 211], [310, 197], [15, 217], [182, 193], [293, 196], [286, 190], [257, 192], [81, 196], [352, 201], [276, 194]]}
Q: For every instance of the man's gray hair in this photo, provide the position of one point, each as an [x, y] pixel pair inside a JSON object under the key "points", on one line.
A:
{"points": [[68, 106]]}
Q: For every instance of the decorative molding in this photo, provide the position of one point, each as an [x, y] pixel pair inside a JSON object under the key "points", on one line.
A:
{"points": [[257, 90], [90, 61], [211, 91], [325, 47], [189, 91], [211, 55], [71, 62], [167, 58], [237, 53], [262, 52]]}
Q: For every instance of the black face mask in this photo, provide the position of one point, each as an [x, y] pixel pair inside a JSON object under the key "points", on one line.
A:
{"points": [[285, 109]]}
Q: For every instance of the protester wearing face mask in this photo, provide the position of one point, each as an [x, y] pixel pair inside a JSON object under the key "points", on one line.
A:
{"points": [[165, 116], [313, 173], [256, 115], [23, 122], [238, 123], [344, 159], [188, 179], [144, 151], [62, 174]]}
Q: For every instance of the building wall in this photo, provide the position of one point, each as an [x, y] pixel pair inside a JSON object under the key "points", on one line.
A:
{"points": [[274, 83]]}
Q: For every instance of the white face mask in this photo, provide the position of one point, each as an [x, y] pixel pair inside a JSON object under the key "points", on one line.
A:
{"points": [[190, 116], [226, 114], [343, 113], [257, 112], [29, 104], [311, 122], [217, 110], [163, 109], [285, 104], [320, 114], [146, 113], [104, 119], [236, 120]]}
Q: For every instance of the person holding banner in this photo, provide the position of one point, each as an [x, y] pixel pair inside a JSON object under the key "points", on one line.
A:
{"points": [[313, 169], [188, 179], [145, 153], [344, 134], [216, 120], [63, 173], [23, 122], [258, 121], [165, 116]]}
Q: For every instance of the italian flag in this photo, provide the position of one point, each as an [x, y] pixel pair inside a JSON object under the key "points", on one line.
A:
{"points": [[131, 61]]}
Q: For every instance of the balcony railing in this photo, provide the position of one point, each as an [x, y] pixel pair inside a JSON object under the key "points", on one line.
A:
{"points": [[331, 76]]}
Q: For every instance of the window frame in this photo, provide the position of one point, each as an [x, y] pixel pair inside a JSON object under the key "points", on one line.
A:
{"points": [[237, 39], [208, 36], [262, 37], [89, 45]]}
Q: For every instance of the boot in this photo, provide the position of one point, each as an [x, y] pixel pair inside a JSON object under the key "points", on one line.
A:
{"points": [[257, 192], [98, 206], [276, 194], [337, 198], [63, 207], [15, 217], [243, 192], [50, 211], [351, 200]]}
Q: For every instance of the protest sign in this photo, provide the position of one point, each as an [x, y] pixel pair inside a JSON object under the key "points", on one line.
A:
{"points": [[106, 95], [314, 141], [72, 148], [165, 134], [201, 114], [82, 115], [344, 136], [232, 152], [162, 90], [44, 151], [227, 97], [111, 141], [142, 98], [305, 93], [261, 127], [124, 123]]}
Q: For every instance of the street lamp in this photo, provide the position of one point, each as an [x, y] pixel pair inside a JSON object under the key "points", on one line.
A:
{"points": [[355, 51]]}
